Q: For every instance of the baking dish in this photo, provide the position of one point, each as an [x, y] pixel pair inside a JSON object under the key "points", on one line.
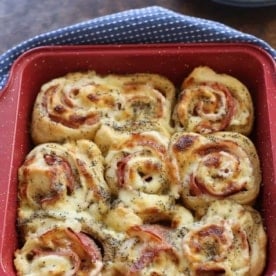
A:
{"points": [[251, 65]]}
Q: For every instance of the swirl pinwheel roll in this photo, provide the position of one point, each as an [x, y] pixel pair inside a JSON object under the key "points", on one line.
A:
{"points": [[147, 250], [211, 102], [59, 251], [139, 162], [76, 105], [62, 178], [214, 167], [228, 240]]}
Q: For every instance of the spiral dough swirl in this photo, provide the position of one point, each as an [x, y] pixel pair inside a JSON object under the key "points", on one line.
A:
{"points": [[216, 166], [76, 105], [211, 102]]}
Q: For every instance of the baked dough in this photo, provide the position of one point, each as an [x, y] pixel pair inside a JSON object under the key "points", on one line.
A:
{"points": [[61, 181], [76, 105], [147, 250], [228, 240], [211, 102], [59, 251], [135, 208], [139, 162], [215, 166], [107, 137]]}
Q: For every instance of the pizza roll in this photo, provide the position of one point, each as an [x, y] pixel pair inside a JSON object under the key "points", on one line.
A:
{"points": [[214, 167], [228, 240], [139, 162], [147, 250], [135, 208], [62, 178], [211, 102], [76, 105], [59, 251]]}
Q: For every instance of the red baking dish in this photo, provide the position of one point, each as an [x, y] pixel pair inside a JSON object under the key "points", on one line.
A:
{"points": [[251, 65]]}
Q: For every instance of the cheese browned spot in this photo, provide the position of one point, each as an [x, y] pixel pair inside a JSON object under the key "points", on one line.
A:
{"points": [[184, 142]]}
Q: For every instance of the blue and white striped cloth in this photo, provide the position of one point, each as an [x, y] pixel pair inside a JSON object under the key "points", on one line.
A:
{"points": [[146, 25]]}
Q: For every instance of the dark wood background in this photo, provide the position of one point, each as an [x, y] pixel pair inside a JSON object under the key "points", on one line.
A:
{"points": [[20, 20]]}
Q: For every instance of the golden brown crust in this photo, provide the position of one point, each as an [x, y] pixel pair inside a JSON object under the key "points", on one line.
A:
{"points": [[211, 102], [214, 167], [76, 105], [147, 250], [139, 162], [59, 251], [61, 181], [136, 208], [107, 137]]}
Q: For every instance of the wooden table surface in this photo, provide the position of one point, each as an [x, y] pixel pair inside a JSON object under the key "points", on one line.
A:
{"points": [[20, 20]]}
